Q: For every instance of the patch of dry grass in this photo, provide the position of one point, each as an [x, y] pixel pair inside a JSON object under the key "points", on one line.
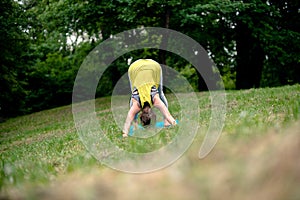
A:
{"points": [[265, 167]]}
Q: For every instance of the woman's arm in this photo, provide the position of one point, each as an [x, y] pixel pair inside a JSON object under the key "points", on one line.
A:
{"points": [[134, 109], [157, 102]]}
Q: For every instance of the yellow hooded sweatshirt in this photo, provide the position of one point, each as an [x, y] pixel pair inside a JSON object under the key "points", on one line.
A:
{"points": [[143, 74]]}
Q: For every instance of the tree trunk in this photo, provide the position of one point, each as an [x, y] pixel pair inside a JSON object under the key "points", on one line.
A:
{"points": [[164, 44], [250, 58]]}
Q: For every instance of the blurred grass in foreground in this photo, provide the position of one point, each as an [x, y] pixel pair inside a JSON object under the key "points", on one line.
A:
{"points": [[256, 156]]}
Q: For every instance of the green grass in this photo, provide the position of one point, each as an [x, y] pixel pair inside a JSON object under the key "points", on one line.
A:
{"points": [[39, 148]]}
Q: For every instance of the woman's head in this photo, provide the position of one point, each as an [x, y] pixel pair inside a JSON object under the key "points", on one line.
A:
{"points": [[147, 115]]}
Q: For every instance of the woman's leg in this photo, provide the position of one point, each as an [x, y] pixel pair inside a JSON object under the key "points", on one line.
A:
{"points": [[162, 97], [160, 90], [130, 101]]}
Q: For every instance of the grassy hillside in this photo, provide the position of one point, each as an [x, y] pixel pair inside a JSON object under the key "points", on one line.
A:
{"points": [[256, 156]]}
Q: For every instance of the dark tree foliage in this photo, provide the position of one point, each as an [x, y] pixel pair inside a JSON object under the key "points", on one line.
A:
{"points": [[253, 43], [13, 41]]}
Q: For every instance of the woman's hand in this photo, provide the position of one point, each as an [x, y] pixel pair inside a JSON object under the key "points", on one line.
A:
{"points": [[124, 134]]}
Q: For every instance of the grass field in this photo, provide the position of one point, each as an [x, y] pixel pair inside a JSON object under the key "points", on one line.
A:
{"points": [[256, 156]]}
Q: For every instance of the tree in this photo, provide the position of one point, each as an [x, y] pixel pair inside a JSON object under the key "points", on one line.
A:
{"points": [[212, 24], [268, 37], [12, 42], [253, 43], [282, 45], [250, 53], [256, 39]]}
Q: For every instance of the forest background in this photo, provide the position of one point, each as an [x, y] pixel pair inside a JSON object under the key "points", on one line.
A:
{"points": [[253, 43]]}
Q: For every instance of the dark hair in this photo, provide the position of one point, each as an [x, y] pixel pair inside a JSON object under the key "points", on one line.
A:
{"points": [[147, 114]]}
